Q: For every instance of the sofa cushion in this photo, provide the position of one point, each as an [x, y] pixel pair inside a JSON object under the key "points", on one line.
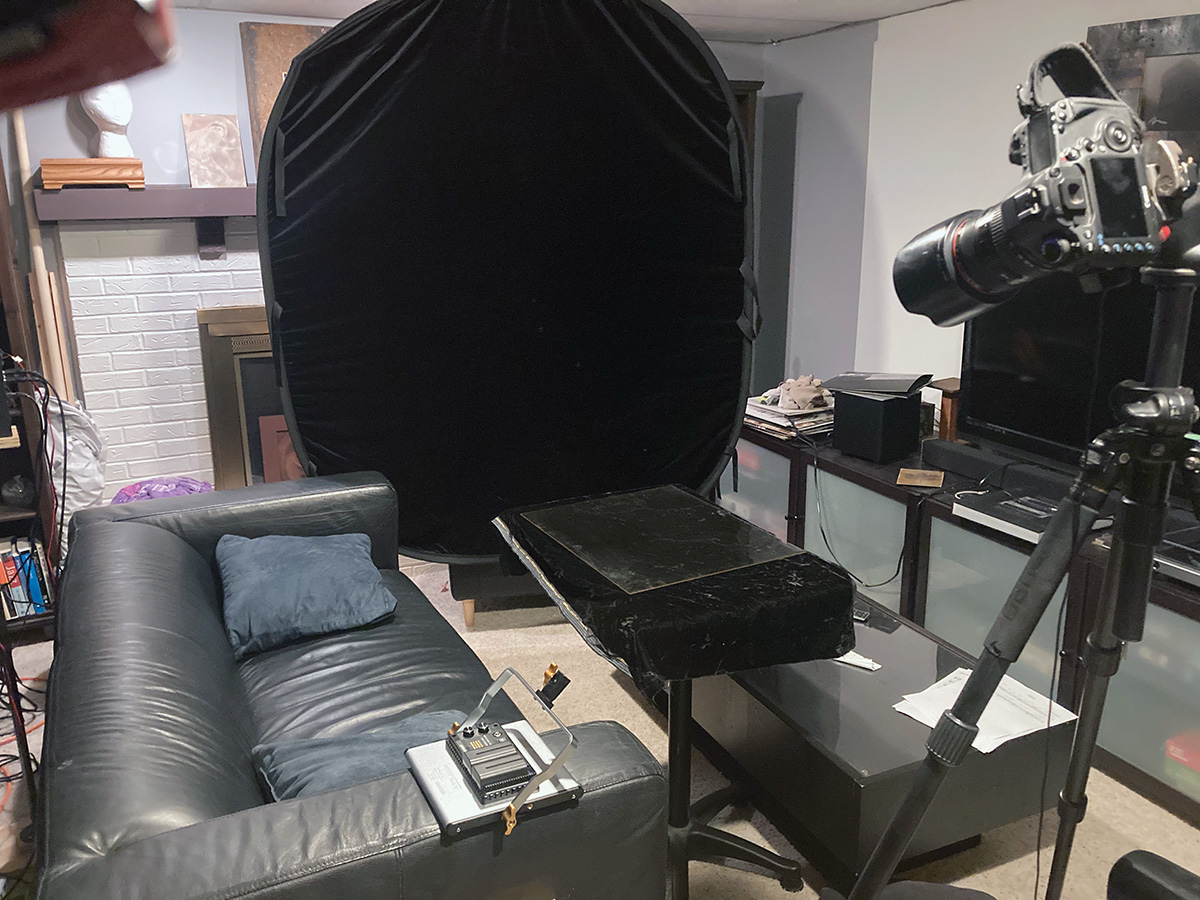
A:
{"points": [[279, 588], [356, 681], [302, 768]]}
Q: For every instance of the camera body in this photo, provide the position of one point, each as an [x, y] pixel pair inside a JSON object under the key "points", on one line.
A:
{"points": [[1085, 196], [1093, 196]]}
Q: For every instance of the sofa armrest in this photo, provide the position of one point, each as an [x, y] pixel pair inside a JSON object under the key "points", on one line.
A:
{"points": [[380, 840], [332, 504]]}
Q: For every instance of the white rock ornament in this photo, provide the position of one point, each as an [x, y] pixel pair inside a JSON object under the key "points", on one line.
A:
{"points": [[110, 106]]}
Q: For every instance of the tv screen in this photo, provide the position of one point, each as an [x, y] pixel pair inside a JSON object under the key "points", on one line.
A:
{"points": [[1038, 370]]}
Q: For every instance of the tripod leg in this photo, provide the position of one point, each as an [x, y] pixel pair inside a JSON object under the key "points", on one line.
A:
{"points": [[1122, 610], [1072, 803]]}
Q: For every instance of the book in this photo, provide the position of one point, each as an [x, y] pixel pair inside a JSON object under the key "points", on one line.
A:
{"points": [[1023, 517], [778, 416], [1184, 749], [10, 610], [12, 580], [1183, 777], [787, 432], [30, 580]]}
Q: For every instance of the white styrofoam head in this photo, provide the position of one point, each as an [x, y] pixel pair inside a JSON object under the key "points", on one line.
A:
{"points": [[109, 104]]}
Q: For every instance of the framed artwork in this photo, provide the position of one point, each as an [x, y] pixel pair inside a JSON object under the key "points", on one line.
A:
{"points": [[1155, 66], [214, 151], [268, 49]]}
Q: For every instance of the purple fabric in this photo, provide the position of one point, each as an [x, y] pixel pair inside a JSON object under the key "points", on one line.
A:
{"points": [[153, 488]]}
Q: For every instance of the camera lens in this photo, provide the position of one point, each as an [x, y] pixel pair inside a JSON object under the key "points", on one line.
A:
{"points": [[955, 270]]}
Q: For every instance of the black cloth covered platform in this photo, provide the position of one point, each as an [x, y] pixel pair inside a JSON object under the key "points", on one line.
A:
{"points": [[671, 587]]}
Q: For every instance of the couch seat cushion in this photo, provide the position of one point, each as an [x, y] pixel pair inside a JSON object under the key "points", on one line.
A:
{"points": [[357, 681], [302, 768]]}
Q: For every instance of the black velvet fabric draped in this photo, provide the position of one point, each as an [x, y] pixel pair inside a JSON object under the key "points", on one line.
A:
{"points": [[504, 245]]}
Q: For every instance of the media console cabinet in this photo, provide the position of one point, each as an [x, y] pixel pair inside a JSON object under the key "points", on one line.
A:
{"points": [[951, 576]]}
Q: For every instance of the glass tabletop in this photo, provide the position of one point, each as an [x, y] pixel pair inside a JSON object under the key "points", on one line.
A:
{"points": [[650, 539], [839, 708]]}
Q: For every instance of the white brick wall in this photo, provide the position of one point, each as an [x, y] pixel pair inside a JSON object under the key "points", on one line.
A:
{"points": [[135, 288]]}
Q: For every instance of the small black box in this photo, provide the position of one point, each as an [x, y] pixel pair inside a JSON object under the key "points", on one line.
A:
{"points": [[878, 427]]}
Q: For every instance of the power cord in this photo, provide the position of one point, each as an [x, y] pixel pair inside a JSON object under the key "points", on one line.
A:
{"points": [[825, 538]]}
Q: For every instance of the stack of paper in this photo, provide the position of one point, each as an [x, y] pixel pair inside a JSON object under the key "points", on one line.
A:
{"points": [[1014, 710], [776, 415]]}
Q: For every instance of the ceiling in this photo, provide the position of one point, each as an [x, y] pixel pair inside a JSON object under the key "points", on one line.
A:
{"points": [[745, 21]]}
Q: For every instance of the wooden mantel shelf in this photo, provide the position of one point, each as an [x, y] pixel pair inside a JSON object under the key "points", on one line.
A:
{"points": [[157, 201], [209, 207]]}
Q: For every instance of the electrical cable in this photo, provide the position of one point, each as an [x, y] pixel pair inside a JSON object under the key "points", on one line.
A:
{"points": [[27, 376], [42, 393], [1054, 675]]}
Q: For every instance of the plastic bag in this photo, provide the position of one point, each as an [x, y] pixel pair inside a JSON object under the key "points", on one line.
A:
{"points": [[84, 459], [166, 486]]}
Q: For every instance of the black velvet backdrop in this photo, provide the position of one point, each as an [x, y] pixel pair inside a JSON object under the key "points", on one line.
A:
{"points": [[503, 246]]}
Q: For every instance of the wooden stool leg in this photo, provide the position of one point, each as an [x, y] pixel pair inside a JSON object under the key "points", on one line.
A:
{"points": [[468, 613]]}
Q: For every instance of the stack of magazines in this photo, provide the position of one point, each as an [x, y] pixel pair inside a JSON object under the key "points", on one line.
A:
{"points": [[788, 423], [24, 590]]}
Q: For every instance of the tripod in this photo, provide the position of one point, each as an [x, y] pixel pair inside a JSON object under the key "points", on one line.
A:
{"points": [[1138, 457]]}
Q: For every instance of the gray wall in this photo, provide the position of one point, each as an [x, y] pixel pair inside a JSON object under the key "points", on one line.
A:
{"points": [[832, 72], [776, 210]]}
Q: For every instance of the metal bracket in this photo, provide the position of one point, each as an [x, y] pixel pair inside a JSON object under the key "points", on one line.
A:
{"points": [[210, 237], [556, 765]]}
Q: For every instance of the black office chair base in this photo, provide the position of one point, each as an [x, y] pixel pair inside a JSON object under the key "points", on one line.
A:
{"points": [[703, 842]]}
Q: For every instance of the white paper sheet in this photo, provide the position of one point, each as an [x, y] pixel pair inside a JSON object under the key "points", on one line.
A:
{"points": [[1014, 710], [859, 661]]}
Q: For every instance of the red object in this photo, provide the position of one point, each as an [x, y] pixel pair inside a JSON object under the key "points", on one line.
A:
{"points": [[280, 462], [92, 42], [1164, 233], [1185, 748]]}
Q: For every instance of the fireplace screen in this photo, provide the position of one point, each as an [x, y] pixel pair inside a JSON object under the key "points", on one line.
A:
{"points": [[250, 440]]}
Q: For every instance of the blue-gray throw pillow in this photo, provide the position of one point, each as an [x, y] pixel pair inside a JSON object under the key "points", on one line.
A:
{"points": [[281, 588], [302, 768]]}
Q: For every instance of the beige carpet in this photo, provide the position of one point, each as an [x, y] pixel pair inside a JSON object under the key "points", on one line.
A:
{"points": [[1118, 819], [529, 638]]}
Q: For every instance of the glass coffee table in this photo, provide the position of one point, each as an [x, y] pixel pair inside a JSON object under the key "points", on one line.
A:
{"points": [[822, 751], [670, 588]]}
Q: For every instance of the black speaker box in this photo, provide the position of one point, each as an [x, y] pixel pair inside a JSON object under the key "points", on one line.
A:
{"points": [[877, 427]]}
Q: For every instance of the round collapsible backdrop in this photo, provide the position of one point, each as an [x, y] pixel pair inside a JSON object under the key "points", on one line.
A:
{"points": [[505, 255]]}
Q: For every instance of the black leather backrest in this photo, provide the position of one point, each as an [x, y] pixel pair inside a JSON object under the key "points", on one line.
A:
{"points": [[148, 729], [360, 502]]}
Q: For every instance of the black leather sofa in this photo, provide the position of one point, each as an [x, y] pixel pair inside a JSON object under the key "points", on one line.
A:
{"points": [[149, 792]]}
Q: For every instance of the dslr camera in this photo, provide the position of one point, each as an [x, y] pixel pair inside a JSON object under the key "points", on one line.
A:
{"points": [[1093, 196]]}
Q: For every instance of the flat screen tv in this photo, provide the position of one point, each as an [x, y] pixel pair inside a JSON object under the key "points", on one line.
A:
{"points": [[1038, 370]]}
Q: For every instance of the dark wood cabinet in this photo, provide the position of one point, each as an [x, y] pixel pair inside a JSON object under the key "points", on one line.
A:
{"points": [[953, 575]]}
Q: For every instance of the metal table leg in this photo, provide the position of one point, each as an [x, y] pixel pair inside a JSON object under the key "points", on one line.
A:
{"points": [[8, 670], [689, 835]]}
